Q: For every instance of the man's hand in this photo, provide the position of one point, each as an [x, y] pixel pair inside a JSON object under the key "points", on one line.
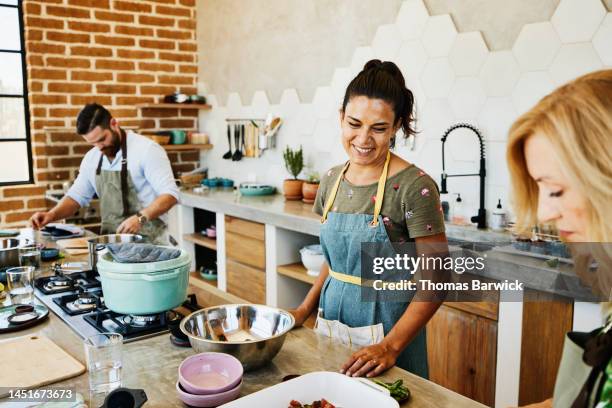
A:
{"points": [[130, 225], [370, 361], [41, 218]]}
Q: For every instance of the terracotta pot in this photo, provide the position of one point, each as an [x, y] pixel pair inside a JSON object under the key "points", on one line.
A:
{"points": [[309, 191], [292, 189]]}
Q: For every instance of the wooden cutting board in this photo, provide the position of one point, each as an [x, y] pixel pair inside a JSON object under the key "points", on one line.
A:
{"points": [[34, 361], [80, 243]]}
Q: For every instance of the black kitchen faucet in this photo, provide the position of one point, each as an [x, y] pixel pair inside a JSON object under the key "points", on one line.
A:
{"points": [[481, 218]]}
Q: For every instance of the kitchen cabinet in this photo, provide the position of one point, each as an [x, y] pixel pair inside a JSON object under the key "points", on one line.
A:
{"points": [[546, 320], [461, 348], [245, 263], [246, 282]]}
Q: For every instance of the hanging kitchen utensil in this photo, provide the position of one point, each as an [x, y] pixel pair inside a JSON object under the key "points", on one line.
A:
{"points": [[237, 156], [228, 154], [242, 144]]}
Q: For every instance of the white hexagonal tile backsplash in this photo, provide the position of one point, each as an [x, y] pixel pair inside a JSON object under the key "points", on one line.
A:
{"points": [[496, 117], [467, 97], [574, 60], [536, 46], [453, 77], [437, 78], [577, 20], [360, 57], [411, 19], [411, 58], [602, 41], [324, 102], [439, 35], [468, 53], [386, 42], [531, 87], [500, 73]]}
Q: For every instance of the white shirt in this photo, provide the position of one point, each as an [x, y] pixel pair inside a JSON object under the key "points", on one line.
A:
{"points": [[148, 166]]}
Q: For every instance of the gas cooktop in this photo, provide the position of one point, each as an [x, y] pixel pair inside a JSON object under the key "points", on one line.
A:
{"points": [[77, 299]]}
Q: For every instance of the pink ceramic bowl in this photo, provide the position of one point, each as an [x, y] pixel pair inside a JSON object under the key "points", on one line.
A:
{"points": [[212, 400], [210, 373]]}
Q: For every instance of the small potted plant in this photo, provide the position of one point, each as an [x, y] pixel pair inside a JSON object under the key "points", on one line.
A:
{"points": [[310, 187], [294, 163]]}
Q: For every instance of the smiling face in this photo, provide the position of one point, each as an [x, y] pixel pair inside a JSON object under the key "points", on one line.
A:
{"points": [[106, 140], [367, 128], [558, 201]]}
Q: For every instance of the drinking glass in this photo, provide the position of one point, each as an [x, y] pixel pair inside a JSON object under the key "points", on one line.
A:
{"points": [[103, 354], [20, 284], [29, 255]]}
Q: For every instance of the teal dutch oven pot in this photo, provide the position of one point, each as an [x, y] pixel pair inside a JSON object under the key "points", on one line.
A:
{"points": [[144, 288]]}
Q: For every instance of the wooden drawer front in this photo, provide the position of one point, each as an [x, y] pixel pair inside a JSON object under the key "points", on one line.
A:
{"points": [[246, 250], [246, 282], [243, 227]]}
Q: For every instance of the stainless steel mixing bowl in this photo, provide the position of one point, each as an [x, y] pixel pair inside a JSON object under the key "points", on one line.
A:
{"points": [[253, 334]]}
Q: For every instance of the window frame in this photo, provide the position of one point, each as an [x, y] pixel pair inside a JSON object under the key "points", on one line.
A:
{"points": [[23, 97]]}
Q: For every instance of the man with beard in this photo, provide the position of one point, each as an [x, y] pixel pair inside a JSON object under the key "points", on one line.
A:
{"points": [[135, 193]]}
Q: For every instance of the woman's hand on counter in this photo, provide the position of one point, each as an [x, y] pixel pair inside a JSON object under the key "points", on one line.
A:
{"points": [[370, 361]]}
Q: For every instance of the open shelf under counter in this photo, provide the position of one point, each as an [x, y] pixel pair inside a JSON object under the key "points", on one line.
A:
{"points": [[196, 280], [201, 240], [202, 106], [296, 271]]}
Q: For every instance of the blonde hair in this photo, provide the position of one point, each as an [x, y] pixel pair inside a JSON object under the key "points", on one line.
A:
{"points": [[577, 120]]}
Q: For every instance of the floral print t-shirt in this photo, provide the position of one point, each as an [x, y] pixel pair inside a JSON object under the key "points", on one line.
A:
{"points": [[411, 204]]}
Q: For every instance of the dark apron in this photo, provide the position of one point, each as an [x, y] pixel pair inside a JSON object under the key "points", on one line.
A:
{"points": [[582, 378], [118, 199]]}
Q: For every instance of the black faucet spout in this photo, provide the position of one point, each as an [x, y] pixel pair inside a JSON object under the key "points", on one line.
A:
{"points": [[481, 218]]}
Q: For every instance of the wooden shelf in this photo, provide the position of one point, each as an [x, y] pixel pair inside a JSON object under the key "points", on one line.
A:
{"points": [[202, 106], [201, 240], [196, 280], [296, 271], [170, 147]]}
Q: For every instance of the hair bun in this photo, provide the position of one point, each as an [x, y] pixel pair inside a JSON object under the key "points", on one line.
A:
{"points": [[371, 64]]}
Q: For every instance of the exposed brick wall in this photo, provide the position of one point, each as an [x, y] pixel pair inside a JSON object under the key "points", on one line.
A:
{"points": [[114, 52]]}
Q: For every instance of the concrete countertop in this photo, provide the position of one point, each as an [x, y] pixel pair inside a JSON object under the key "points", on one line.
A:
{"points": [[298, 216], [152, 364]]}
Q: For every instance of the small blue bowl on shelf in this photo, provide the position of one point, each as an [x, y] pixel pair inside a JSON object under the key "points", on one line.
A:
{"points": [[211, 182], [254, 189], [227, 182]]}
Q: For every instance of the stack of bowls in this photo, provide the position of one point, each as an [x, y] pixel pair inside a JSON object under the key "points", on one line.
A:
{"points": [[209, 379]]}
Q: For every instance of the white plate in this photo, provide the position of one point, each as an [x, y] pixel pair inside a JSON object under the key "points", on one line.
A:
{"points": [[340, 390]]}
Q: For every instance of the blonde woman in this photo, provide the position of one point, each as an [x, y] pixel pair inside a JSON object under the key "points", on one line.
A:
{"points": [[560, 161]]}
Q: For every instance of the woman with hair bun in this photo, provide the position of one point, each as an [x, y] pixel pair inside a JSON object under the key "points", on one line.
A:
{"points": [[376, 196]]}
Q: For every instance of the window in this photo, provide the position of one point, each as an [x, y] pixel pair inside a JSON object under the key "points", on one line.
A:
{"points": [[15, 147]]}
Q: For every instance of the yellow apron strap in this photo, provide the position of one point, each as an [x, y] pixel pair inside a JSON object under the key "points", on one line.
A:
{"points": [[380, 192], [343, 277], [332, 194]]}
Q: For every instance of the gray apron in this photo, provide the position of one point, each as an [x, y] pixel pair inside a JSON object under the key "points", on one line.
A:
{"points": [[118, 199]]}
